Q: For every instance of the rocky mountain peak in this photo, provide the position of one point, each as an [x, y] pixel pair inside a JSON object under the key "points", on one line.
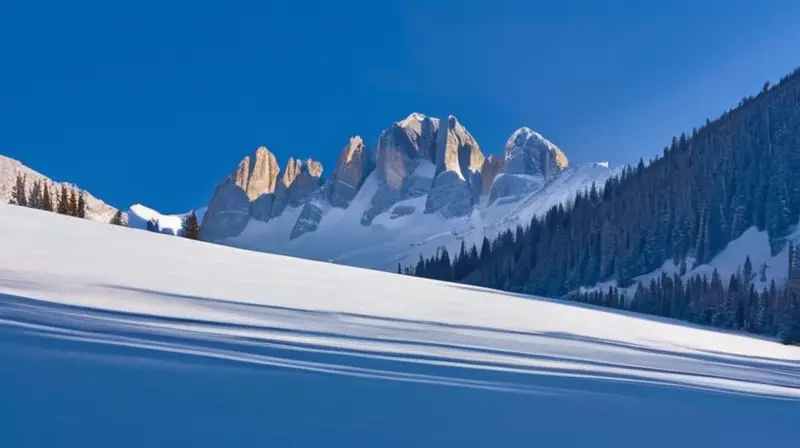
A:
{"points": [[256, 174], [296, 168], [528, 152], [457, 150], [355, 163], [263, 174]]}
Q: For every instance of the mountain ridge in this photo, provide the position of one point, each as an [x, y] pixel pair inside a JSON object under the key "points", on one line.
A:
{"points": [[425, 178]]}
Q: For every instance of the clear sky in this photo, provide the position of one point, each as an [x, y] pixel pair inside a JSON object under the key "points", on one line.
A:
{"points": [[156, 101]]}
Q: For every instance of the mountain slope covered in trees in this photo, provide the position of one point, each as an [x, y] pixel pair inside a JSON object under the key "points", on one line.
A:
{"points": [[739, 171]]}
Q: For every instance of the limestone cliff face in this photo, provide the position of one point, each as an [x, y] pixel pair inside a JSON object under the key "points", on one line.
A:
{"points": [[258, 189], [230, 207], [459, 161], [263, 174], [529, 160], [301, 178], [355, 163], [405, 156], [491, 168], [527, 152]]}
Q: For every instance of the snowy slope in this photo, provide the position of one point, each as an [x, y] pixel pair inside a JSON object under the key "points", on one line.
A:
{"points": [[752, 243], [391, 240], [139, 215], [132, 309]]}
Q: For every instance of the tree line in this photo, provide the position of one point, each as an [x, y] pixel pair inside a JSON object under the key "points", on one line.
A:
{"points": [[739, 171], [733, 303], [63, 200], [72, 202]]}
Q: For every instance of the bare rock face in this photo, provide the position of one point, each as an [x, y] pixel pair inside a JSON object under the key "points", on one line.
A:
{"points": [[491, 168], [312, 213], [457, 150], [404, 144], [404, 163], [529, 161], [263, 174], [300, 180], [355, 163], [459, 160], [527, 152], [229, 209]]}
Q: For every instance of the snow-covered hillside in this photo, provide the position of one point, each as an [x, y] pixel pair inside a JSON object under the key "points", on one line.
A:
{"points": [[752, 243], [121, 337], [139, 216], [96, 209]]}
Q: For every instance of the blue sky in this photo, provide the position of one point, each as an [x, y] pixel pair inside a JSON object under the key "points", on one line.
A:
{"points": [[155, 102]]}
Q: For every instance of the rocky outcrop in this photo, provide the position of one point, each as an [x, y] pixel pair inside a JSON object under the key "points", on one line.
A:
{"points": [[229, 209], [312, 213], [300, 180], [404, 158], [491, 168], [262, 174], [529, 161], [527, 152], [355, 163], [457, 150], [459, 160], [247, 191]]}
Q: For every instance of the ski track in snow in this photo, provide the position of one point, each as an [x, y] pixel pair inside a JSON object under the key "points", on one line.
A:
{"points": [[115, 300]]}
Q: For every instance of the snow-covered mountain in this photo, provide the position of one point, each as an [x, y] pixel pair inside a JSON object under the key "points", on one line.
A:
{"points": [[96, 209], [139, 216], [427, 184]]}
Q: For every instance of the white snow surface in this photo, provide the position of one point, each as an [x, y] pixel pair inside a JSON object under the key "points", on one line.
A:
{"points": [[221, 293], [389, 241], [130, 338]]}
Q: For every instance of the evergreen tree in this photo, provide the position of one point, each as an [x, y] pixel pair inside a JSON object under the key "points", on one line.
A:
{"points": [[191, 229], [116, 219], [747, 272], [19, 194], [47, 200], [80, 211], [63, 201], [72, 205], [153, 225], [35, 198]]}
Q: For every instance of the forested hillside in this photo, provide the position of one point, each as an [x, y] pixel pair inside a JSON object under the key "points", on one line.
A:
{"points": [[708, 187]]}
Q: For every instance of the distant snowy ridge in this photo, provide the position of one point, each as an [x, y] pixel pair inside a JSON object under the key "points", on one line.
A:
{"points": [[96, 209], [139, 216]]}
